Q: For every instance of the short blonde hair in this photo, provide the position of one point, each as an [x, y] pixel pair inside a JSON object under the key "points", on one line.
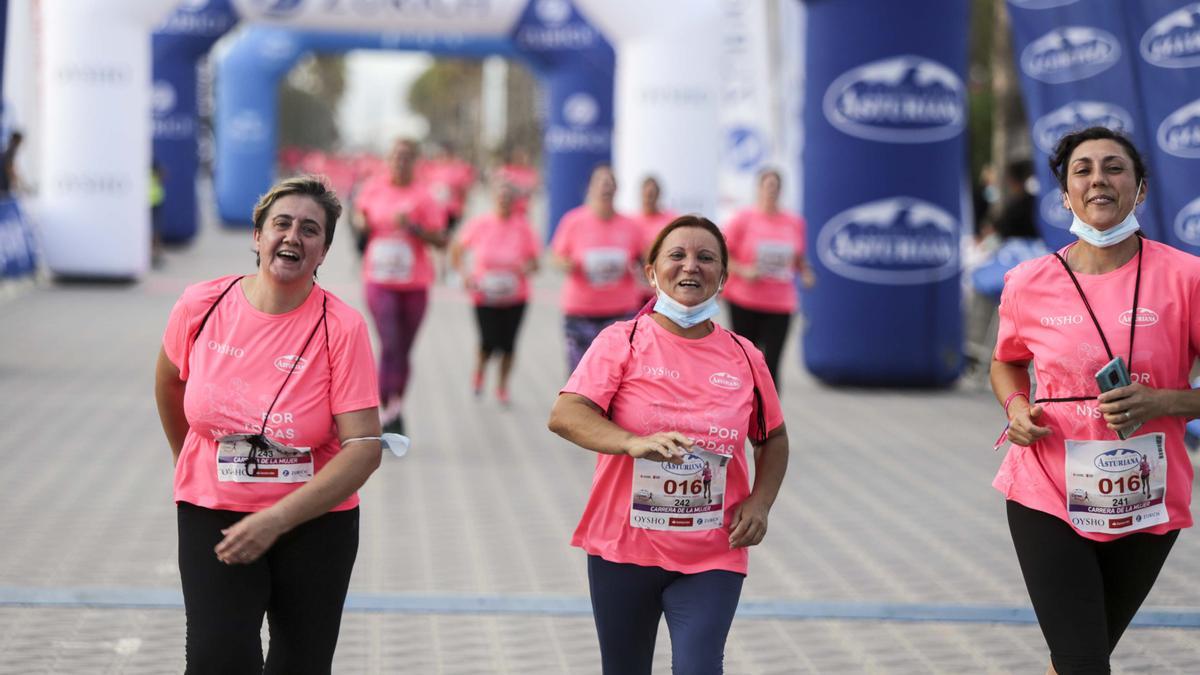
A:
{"points": [[311, 186]]}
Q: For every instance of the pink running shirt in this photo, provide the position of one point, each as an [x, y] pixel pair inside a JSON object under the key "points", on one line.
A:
{"points": [[666, 382], [650, 227], [500, 250], [234, 370], [394, 258], [1043, 318], [604, 253], [769, 242]]}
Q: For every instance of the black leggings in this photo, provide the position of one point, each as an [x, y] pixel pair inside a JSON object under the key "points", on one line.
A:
{"points": [[767, 330], [628, 601], [1084, 592], [299, 583], [498, 327]]}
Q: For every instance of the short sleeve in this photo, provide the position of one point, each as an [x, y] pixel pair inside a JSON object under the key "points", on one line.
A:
{"points": [[600, 371], [1009, 345], [801, 231], [561, 244], [177, 336], [533, 247], [433, 216], [1193, 317], [772, 410], [469, 233], [734, 232], [353, 382]]}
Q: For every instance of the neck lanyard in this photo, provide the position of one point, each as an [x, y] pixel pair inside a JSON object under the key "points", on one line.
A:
{"points": [[1137, 287]]}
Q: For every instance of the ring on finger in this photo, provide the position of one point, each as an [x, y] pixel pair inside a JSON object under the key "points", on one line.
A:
{"points": [[1128, 416]]}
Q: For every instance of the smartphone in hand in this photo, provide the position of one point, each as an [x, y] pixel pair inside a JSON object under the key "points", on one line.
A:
{"points": [[1115, 375]]}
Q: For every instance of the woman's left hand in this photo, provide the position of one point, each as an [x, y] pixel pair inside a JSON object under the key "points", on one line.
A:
{"points": [[1132, 405], [247, 539], [749, 524]]}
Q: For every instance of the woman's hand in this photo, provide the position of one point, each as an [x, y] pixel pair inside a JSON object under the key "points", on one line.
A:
{"points": [[749, 524], [665, 446], [1127, 407], [247, 539], [1022, 423]]}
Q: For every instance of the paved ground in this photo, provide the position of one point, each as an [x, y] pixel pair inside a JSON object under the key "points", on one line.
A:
{"points": [[886, 513]]}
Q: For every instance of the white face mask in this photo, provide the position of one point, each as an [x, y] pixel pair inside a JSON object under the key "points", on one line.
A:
{"points": [[1111, 236], [682, 315]]}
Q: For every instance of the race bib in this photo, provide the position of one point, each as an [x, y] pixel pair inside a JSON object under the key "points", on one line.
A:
{"points": [[775, 259], [389, 260], [272, 462], [1117, 486], [684, 497], [499, 286], [605, 266]]}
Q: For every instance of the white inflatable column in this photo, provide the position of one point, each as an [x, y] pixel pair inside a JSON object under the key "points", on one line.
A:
{"points": [[94, 205], [667, 94]]}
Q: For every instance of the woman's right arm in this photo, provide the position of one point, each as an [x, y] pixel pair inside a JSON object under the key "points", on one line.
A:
{"points": [[168, 393], [581, 421], [1009, 378]]}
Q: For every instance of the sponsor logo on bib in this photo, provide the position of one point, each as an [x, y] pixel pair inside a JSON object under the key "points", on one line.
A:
{"points": [[692, 464], [1069, 54], [725, 381], [1119, 460], [1145, 317], [284, 363], [1174, 40]]}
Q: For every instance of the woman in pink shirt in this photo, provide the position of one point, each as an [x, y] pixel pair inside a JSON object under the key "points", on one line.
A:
{"points": [[520, 174], [504, 251], [402, 220], [598, 248], [650, 220], [665, 400], [766, 254], [1090, 536], [266, 391]]}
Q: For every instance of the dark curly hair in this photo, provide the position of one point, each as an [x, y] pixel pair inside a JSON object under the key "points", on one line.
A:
{"points": [[1067, 144]]}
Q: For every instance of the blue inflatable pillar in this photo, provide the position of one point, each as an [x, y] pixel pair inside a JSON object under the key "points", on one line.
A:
{"points": [[575, 65], [885, 160], [179, 44]]}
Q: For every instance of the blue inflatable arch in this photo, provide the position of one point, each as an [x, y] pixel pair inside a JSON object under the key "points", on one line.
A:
{"points": [[572, 61]]}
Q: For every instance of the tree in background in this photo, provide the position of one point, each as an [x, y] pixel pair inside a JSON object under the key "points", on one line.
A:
{"points": [[308, 101]]}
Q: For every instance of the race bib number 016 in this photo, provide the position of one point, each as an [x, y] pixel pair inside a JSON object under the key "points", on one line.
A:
{"points": [[1117, 486], [683, 497]]}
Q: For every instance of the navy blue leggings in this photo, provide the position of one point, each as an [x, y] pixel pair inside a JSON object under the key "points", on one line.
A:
{"points": [[628, 601]]}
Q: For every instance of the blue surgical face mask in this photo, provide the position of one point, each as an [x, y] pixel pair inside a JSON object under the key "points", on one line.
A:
{"points": [[682, 315], [1111, 236]]}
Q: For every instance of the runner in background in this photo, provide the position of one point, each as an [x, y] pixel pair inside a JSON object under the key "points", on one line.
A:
{"points": [[401, 220], [598, 249], [449, 178], [766, 254], [518, 172], [1090, 536], [662, 400], [651, 220], [503, 251]]}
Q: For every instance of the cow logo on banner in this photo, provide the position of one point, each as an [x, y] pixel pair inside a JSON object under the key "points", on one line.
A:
{"points": [[1070, 54], [1075, 116], [1187, 223], [1179, 133], [901, 240], [904, 99], [1174, 40], [1040, 4], [1053, 211]]}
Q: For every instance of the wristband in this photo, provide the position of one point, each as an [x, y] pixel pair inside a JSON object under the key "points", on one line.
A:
{"points": [[1008, 401]]}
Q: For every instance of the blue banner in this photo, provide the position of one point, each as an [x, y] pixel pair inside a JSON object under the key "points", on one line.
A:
{"points": [[18, 248], [178, 46], [885, 164], [1164, 39], [1129, 66]]}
